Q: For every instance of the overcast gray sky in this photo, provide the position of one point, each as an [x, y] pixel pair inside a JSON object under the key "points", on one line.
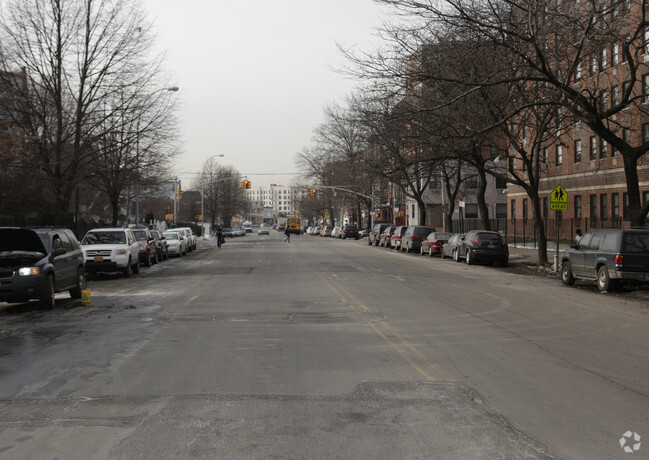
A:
{"points": [[255, 75]]}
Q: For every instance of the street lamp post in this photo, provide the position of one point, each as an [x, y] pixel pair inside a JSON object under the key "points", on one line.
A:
{"points": [[137, 159], [203, 196]]}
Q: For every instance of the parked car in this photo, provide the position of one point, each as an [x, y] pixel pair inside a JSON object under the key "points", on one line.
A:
{"points": [[362, 233], [433, 243], [414, 235], [35, 263], [315, 231], [227, 231], [384, 238], [326, 230], [238, 231], [449, 248], [111, 250], [610, 257], [176, 243], [395, 238], [161, 244], [191, 238], [148, 250], [482, 246], [335, 233], [349, 231], [263, 231], [375, 234]]}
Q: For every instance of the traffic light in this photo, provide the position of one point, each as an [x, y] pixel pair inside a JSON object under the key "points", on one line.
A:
{"points": [[245, 184], [180, 193], [248, 184], [313, 192]]}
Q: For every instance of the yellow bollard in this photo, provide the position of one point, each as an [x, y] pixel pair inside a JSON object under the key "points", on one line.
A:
{"points": [[85, 297]]}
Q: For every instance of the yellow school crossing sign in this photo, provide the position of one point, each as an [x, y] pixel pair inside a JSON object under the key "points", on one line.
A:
{"points": [[559, 199]]}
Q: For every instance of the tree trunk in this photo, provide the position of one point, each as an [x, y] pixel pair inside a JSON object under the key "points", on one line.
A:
{"points": [[482, 204], [638, 217], [422, 211], [540, 231]]}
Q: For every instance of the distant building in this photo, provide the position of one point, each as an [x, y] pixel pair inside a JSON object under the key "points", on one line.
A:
{"points": [[269, 202]]}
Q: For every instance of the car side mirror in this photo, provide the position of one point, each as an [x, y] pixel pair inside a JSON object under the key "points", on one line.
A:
{"points": [[574, 246], [59, 251]]}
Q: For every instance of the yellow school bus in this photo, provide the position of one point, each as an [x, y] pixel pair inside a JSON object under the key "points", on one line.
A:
{"points": [[293, 224]]}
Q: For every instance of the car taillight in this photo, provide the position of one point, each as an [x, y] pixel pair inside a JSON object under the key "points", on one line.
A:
{"points": [[475, 242], [504, 245], [619, 261], [414, 237]]}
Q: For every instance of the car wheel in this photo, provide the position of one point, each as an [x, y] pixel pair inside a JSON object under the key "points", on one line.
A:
{"points": [[469, 259], [47, 295], [566, 274], [421, 251], [126, 271], [75, 292], [430, 251], [603, 279], [456, 255]]}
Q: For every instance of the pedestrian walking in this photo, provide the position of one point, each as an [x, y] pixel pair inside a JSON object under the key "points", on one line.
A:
{"points": [[219, 236], [287, 232]]}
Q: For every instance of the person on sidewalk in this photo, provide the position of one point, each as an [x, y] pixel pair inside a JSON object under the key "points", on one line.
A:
{"points": [[578, 235], [287, 232]]}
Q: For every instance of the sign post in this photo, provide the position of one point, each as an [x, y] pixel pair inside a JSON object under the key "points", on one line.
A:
{"points": [[558, 203]]}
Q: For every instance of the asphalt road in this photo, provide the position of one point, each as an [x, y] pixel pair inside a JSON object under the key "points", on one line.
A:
{"points": [[324, 348]]}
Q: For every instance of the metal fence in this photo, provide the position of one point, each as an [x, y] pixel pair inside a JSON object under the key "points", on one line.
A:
{"points": [[523, 231]]}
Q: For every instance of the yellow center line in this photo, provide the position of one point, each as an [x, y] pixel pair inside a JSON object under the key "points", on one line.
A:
{"points": [[348, 299], [403, 355]]}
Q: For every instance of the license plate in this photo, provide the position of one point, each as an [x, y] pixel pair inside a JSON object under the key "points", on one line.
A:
{"points": [[98, 259], [491, 246]]}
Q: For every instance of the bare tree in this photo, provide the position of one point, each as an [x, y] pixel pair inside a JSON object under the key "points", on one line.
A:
{"points": [[78, 56], [222, 194], [565, 47]]}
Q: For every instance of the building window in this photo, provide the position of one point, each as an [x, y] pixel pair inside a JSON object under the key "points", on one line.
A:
{"points": [[512, 164], [645, 198], [603, 206], [615, 95], [525, 209], [603, 148], [577, 205], [603, 100], [625, 206], [578, 151], [615, 206], [471, 211], [593, 208], [559, 154], [645, 132], [493, 152], [593, 148], [501, 210], [501, 183], [472, 182], [603, 60], [645, 87], [512, 210], [615, 57], [545, 156], [578, 73], [435, 182], [593, 63]]}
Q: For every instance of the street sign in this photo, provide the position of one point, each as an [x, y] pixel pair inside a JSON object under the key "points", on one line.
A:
{"points": [[559, 199]]}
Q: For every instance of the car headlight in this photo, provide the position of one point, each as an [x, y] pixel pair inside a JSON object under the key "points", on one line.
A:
{"points": [[120, 252], [29, 271]]}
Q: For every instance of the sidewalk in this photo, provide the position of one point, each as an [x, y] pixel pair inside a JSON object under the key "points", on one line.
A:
{"points": [[529, 255]]}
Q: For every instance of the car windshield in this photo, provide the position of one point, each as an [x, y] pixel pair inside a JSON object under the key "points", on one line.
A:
{"points": [[140, 236], [440, 236], [104, 238], [488, 237], [171, 236]]}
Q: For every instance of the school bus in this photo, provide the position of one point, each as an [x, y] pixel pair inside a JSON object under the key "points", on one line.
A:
{"points": [[293, 224]]}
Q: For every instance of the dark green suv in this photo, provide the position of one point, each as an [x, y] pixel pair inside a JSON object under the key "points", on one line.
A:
{"points": [[609, 257]]}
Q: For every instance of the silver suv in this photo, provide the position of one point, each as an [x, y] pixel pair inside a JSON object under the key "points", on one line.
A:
{"points": [[111, 250], [610, 257]]}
